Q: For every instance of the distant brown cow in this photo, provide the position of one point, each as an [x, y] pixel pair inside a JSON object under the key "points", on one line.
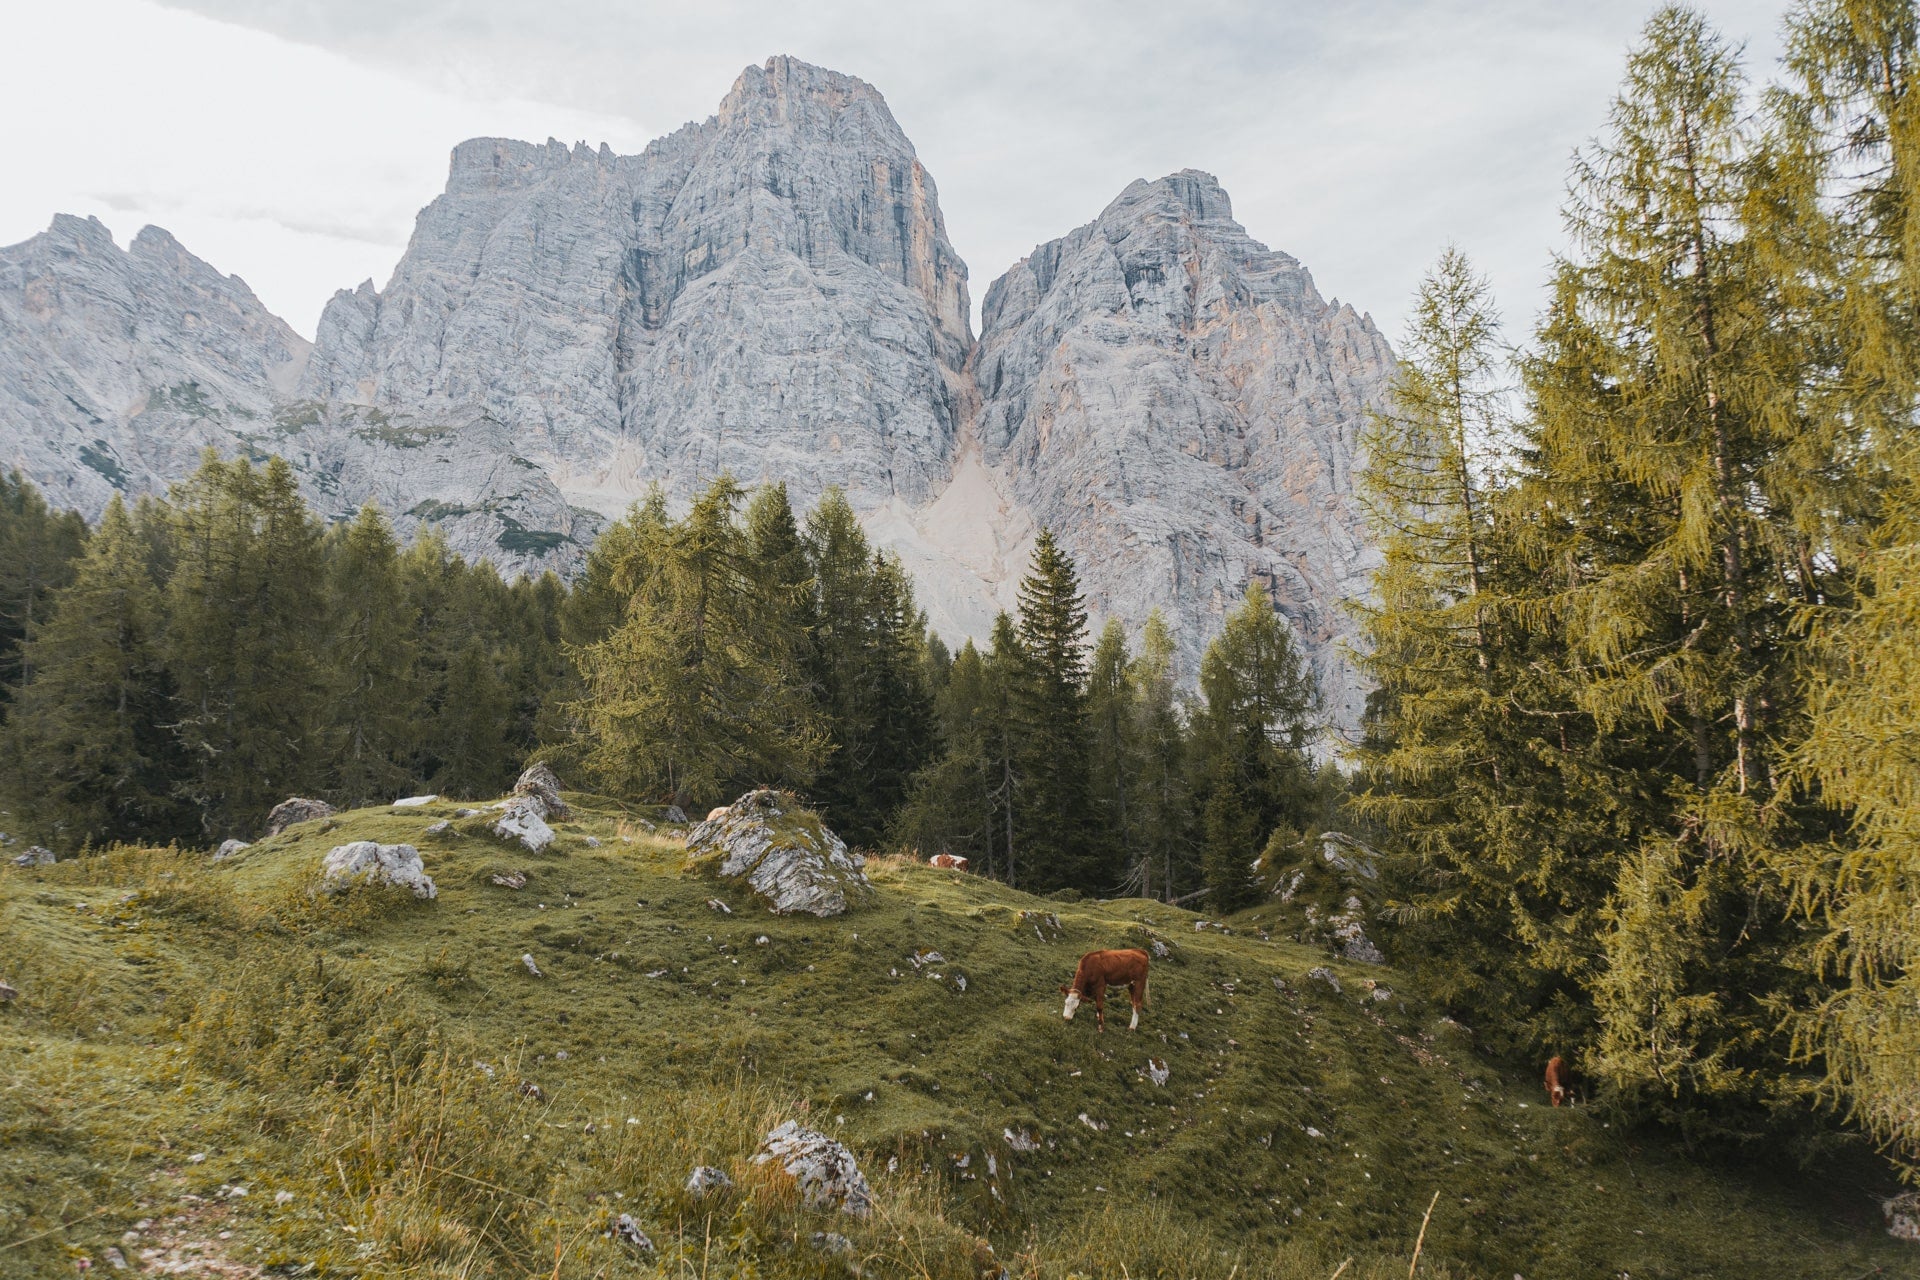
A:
{"points": [[1559, 1081], [948, 860], [1102, 969]]}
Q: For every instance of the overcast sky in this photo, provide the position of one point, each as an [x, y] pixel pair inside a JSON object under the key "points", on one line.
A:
{"points": [[291, 142]]}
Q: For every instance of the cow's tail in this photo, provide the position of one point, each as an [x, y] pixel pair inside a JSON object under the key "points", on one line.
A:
{"points": [[1143, 990]]}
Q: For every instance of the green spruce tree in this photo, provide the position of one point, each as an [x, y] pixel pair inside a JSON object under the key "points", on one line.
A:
{"points": [[90, 757], [38, 551], [1252, 741], [374, 700], [245, 627], [1053, 819]]}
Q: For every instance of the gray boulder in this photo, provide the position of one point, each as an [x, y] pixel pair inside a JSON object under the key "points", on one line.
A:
{"points": [[707, 1180], [828, 1175], [368, 863], [785, 853], [628, 1231], [296, 809], [524, 819], [1903, 1216], [1348, 929], [541, 781], [35, 856], [230, 849]]}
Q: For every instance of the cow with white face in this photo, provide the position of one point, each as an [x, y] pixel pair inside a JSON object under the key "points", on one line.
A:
{"points": [[1099, 970]]}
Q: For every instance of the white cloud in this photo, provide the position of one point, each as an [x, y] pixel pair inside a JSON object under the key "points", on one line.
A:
{"points": [[1359, 136], [298, 169]]}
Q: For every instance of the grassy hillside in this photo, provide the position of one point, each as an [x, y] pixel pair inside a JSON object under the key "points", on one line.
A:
{"points": [[399, 1095]]}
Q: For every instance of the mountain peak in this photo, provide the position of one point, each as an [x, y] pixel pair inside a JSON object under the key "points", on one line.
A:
{"points": [[786, 89], [1196, 190], [88, 232]]}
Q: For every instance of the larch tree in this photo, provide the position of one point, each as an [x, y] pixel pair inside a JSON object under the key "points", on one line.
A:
{"points": [[1161, 804], [1655, 498], [1114, 749], [689, 696], [1844, 164]]}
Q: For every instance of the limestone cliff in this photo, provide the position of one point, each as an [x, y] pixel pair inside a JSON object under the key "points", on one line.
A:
{"points": [[1178, 403], [770, 292], [118, 367]]}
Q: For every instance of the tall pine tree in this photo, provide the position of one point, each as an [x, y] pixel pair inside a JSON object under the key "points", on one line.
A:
{"points": [[1254, 774], [244, 636], [38, 551], [1053, 819]]}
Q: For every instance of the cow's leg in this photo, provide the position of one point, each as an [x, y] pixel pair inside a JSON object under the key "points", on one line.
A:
{"points": [[1100, 1006], [1133, 994]]}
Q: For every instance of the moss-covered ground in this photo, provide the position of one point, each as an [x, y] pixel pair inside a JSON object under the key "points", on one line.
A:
{"points": [[398, 1094]]}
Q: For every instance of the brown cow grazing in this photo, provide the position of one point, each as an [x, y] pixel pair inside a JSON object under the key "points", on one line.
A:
{"points": [[1102, 969], [1559, 1081], [948, 860]]}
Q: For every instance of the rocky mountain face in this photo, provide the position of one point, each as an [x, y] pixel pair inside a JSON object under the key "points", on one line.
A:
{"points": [[117, 367], [769, 292], [1178, 403]]}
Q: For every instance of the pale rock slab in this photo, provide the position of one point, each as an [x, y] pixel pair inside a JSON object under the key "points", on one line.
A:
{"points": [[523, 819], [366, 862]]}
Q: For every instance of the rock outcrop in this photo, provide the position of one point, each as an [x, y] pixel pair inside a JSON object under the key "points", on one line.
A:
{"points": [[768, 292], [366, 863], [295, 809], [541, 782], [523, 820], [784, 853], [828, 1175], [1332, 882]]}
